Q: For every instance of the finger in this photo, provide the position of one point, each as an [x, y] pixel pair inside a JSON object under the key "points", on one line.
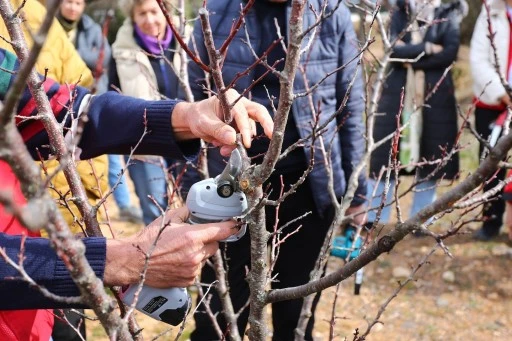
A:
{"points": [[210, 249], [241, 117], [226, 150], [215, 231], [253, 127], [213, 129], [177, 216], [259, 114], [156, 222]]}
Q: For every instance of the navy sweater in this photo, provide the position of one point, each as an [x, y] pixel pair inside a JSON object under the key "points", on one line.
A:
{"points": [[115, 125]]}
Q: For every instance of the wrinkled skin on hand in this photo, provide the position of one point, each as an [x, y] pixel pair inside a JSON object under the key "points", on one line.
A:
{"points": [[205, 119], [180, 251]]}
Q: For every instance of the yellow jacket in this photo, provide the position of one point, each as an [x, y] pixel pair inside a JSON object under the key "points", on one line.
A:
{"points": [[59, 55], [64, 65]]}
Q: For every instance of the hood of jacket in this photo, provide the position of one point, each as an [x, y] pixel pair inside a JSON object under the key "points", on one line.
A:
{"points": [[86, 22]]}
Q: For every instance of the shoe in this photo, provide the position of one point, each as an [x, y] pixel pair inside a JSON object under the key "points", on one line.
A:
{"points": [[130, 214], [483, 236]]}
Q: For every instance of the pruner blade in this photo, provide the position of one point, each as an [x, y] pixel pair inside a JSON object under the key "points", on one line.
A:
{"points": [[227, 180]]}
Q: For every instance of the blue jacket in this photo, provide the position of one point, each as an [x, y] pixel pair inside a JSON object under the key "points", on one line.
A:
{"points": [[335, 45], [89, 42]]}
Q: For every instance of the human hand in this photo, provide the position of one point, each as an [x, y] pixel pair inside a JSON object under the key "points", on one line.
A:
{"points": [[358, 213], [204, 119], [431, 48], [437, 48], [177, 258], [505, 99]]}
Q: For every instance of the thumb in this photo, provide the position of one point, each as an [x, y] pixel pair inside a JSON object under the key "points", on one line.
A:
{"points": [[223, 133], [217, 231]]}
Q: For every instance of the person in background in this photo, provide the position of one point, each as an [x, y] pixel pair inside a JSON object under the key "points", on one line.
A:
{"points": [[491, 98], [142, 51], [336, 45], [436, 42], [93, 47]]}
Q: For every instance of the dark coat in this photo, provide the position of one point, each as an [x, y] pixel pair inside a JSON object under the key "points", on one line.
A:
{"points": [[335, 45], [439, 115]]}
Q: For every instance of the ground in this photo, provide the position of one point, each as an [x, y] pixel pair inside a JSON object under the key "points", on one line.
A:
{"points": [[460, 298], [466, 296]]}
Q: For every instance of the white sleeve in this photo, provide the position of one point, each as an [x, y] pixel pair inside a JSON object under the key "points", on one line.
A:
{"points": [[486, 81]]}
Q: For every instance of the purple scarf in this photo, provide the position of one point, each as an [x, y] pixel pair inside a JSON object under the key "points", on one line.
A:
{"points": [[151, 44]]}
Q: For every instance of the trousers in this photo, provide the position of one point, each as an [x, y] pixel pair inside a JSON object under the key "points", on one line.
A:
{"points": [[122, 192], [494, 209], [295, 262], [424, 195], [149, 180]]}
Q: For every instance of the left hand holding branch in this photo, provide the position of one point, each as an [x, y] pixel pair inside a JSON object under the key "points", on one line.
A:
{"points": [[204, 119]]}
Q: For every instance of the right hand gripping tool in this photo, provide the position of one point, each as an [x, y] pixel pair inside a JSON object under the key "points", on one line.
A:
{"points": [[209, 201]]}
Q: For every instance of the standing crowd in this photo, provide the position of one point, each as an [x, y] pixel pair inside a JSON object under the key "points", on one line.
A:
{"points": [[143, 62]]}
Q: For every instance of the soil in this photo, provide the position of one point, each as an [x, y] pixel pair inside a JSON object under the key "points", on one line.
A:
{"points": [[463, 297]]}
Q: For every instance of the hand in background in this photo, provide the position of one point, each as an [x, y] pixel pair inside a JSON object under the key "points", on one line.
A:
{"points": [[358, 212], [505, 99], [431, 48]]}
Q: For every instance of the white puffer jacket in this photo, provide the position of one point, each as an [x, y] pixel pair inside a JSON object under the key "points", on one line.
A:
{"points": [[487, 86]]}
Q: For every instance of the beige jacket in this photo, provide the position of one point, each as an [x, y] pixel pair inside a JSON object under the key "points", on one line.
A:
{"points": [[136, 76]]}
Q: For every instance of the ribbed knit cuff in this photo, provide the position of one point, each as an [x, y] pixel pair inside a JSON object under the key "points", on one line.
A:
{"points": [[96, 254], [159, 115]]}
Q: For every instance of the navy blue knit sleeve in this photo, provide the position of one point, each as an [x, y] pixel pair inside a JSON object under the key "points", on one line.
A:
{"points": [[117, 124], [45, 268]]}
